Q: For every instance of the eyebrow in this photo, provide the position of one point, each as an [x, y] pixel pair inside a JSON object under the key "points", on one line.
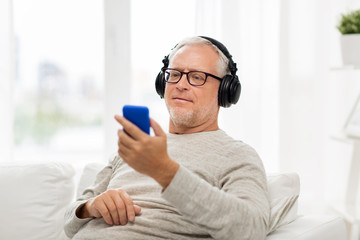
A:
{"points": [[190, 69]]}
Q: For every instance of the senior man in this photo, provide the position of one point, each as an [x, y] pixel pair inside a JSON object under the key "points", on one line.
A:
{"points": [[195, 182]]}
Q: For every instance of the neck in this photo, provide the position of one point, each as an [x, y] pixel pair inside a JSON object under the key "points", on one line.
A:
{"points": [[184, 129]]}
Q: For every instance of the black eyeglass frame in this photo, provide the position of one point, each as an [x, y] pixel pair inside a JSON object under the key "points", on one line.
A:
{"points": [[187, 76]]}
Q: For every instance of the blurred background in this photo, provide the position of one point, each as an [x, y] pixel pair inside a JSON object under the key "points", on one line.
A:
{"points": [[67, 67]]}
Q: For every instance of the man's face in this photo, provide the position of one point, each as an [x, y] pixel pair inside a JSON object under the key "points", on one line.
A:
{"points": [[193, 106]]}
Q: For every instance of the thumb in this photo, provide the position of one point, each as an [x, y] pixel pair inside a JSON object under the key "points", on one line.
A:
{"points": [[137, 209], [156, 127]]}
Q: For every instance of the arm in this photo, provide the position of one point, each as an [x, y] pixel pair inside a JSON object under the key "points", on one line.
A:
{"points": [[114, 205], [240, 210]]}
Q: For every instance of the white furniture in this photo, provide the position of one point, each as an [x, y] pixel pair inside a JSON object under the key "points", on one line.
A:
{"points": [[349, 208], [348, 204], [35, 196]]}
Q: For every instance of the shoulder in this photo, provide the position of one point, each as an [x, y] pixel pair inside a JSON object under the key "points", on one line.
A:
{"points": [[238, 147], [232, 144], [239, 151], [242, 162]]}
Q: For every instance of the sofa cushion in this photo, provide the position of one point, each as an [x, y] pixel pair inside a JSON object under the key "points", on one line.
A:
{"points": [[34, 198], [312, 227], [284, 189]]}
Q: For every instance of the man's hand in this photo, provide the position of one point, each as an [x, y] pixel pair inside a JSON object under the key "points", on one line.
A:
{"points": [[114, 205], [144, 153]]}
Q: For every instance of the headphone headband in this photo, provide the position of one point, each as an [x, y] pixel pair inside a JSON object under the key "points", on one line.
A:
{"points": [[225, 51]]}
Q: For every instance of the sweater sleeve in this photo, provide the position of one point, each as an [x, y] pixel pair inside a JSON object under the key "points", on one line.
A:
{"points": [[238, 209], [72, 223]]}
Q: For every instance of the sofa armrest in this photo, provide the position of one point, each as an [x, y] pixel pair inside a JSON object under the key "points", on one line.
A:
{"points": [[34, 199], [312, 227]]}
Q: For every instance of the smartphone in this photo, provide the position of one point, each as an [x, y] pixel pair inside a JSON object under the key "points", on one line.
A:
{"points": [[138, 115]]}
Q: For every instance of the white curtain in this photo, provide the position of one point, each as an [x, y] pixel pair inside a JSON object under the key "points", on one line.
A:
{"points": [[291, 102], [6, 80], [250, 30], [117, 67], [313, 97]]}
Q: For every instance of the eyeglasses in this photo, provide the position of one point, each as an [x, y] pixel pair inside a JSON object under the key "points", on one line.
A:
{"points": [[195, 78]]}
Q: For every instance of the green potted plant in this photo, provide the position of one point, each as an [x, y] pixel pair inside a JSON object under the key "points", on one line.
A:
{"points": [[349, 27]]}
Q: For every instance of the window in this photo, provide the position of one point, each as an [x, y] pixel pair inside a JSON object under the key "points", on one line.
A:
{"points": [[59, 94], [58, 89]]}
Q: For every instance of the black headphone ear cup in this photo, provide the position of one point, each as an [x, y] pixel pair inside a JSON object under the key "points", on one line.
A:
{"points": [[235, 90], [223, 91], [160, 84], [160, 80], [229, 91]]}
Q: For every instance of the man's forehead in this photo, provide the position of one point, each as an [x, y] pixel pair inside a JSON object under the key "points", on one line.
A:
{"points": [[194, 57]]}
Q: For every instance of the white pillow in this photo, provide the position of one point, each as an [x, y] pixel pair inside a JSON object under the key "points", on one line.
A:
{"points": [[33, 199], [284, 189], [88, 176]]}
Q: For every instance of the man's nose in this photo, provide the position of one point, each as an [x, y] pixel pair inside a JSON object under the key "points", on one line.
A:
{"points": [[183, 82]]}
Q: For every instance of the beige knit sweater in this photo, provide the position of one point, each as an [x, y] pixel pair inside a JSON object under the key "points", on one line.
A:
{"points": [[219, 192]]}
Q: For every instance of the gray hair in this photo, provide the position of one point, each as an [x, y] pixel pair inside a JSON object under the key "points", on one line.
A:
{"points": [[223, 62]]}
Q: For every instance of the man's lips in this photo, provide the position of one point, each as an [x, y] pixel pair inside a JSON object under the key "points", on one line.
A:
{"points": [[181, 99]]}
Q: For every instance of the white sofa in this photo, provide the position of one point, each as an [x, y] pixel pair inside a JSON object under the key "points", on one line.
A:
{"points": [[35, 196]]}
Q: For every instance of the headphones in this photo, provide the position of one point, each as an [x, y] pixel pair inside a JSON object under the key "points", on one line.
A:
{"points": [[230, 87]]}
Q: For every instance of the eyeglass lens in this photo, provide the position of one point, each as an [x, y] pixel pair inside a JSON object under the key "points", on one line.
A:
{"points": [[194, 77]]}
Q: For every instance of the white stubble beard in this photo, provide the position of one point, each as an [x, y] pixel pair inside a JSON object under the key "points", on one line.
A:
{"points": [[183, 118], [189, 118]]}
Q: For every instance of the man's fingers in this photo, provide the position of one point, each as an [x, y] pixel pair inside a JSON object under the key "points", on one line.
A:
{"points": [[130, 128], [156, 127], [103, 210], [115, 206], [112, 206], [130, 212], [121, 210], [124, 151], [125, 139], [137, 209]]}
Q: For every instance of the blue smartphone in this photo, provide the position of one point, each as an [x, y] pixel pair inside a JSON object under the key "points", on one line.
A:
{"points": [[138, 115]]}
